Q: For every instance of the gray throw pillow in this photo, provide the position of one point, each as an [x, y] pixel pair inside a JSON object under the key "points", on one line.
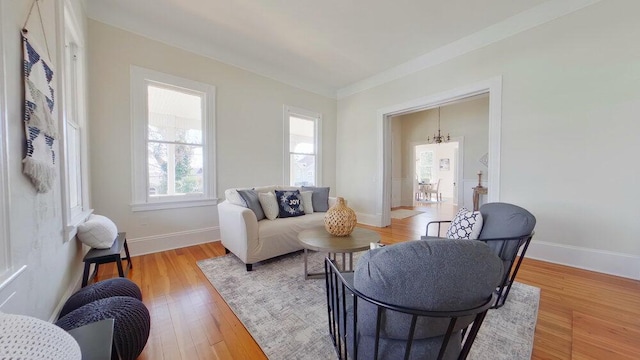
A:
{"points": [[250, 197], [319, 198]]}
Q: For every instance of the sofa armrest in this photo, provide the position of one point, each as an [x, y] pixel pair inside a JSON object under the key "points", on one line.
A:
{"points": [[238, 229]]}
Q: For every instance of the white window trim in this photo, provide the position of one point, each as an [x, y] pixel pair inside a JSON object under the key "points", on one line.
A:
{"points": [[72, 217], [5, 248], [305, 114], [140, 77]]}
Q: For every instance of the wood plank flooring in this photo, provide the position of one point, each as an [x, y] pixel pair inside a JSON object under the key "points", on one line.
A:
{"points": [[582, 314]]}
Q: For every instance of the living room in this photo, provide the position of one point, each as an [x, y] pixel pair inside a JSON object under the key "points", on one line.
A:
{"points": [[568, 80]]}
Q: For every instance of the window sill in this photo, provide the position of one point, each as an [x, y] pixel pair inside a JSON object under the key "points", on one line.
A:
{"points": [[172, 204], [71, 230]]}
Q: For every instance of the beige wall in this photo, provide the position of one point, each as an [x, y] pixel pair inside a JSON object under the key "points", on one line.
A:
{"points": [[249, 124], [36, 225], [570, 105], [467, 121]]}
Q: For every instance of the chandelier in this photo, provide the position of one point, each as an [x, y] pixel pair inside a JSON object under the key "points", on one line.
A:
{"points": [[438, 138]]}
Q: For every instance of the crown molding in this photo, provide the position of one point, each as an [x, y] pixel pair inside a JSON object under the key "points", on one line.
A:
{"points": [[516, 24], [157, 31]]}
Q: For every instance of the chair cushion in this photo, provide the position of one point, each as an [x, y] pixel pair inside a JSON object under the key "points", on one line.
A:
{"points": [[439, 274], [502, 220]]}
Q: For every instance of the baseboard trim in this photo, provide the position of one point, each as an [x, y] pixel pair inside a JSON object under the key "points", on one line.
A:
{"points": [[369, 219], [156, 243], [602, 261], [73, 287]]}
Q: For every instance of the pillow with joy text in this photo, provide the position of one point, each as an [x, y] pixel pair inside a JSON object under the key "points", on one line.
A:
{"points": [[289, 203]]}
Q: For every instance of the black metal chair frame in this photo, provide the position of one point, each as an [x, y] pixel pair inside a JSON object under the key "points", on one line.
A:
{"points": [[505, 252], [340, 292]]}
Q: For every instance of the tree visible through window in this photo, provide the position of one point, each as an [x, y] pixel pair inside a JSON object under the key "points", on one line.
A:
{"points": [[424, 166], [174, 142]]}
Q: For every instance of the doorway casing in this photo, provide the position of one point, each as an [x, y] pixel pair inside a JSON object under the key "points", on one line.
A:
{"points": [[492, 86]]}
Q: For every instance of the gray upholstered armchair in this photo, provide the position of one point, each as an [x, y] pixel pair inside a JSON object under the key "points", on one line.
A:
{"points": [[507, 229], [413, 300]]}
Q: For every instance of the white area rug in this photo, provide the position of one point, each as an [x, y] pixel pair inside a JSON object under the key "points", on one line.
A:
{"points": [[404, 213], [287, 315]]}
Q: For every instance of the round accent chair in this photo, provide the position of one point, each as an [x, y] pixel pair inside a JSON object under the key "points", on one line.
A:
{"points": [[131, 326]]}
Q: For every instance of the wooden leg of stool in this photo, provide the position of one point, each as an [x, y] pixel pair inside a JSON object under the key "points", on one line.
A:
{"points": [[85, 274], [119, 262]]}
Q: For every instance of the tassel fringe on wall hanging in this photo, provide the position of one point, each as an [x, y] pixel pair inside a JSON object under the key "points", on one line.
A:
{"points": [[39, 112]]}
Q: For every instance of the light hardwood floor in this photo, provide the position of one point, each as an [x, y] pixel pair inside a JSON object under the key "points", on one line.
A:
{"points": [[582, 314]]}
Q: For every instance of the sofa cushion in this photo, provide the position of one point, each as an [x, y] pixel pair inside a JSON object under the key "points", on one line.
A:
{"points": [[307, 201], [465, 225], [290, 203], [250, 197], [320, 197], [269, 204]]}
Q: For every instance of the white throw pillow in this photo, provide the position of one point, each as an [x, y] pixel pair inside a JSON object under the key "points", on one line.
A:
{"points": [[98, 231], [269, 204], [234, 197], [307, 203], [466, 225]]}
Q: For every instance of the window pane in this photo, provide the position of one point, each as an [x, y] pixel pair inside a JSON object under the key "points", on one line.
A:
{"points": [[157, 169], [424, 168], [301, 136], [174, 116], [175, 169], [189, 169], [73, 162], [303, 170]]}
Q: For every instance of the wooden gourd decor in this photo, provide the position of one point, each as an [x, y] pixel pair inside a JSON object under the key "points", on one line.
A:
{"points": [[340, 220]]}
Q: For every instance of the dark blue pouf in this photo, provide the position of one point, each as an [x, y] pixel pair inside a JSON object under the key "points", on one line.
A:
{"points": [[101, 290], [131, 326]]}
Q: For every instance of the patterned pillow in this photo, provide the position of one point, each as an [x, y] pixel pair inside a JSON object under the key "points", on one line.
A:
{"points": [[290, 203], [466, 225], [269, 204]]}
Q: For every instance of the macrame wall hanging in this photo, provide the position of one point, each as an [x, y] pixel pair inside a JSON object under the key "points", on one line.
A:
{"points": [[40, 124]]}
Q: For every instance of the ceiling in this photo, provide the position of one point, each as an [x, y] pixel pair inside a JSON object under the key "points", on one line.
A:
{"points": [[320, 46]]}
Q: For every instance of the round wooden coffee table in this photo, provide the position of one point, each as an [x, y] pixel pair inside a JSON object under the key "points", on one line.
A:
{"points": [[318, 239]]}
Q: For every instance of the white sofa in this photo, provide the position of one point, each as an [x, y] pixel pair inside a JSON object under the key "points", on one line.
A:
{"points": [[252, 240]]}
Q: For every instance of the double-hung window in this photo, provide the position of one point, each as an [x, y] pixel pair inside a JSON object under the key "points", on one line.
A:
{"points": [[302, 147], [173, 150], [74, 177]]}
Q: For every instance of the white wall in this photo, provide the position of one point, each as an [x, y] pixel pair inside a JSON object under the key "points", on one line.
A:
{"points": [[570, 105], [398, 179], [53, 266], [249, 124]]}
